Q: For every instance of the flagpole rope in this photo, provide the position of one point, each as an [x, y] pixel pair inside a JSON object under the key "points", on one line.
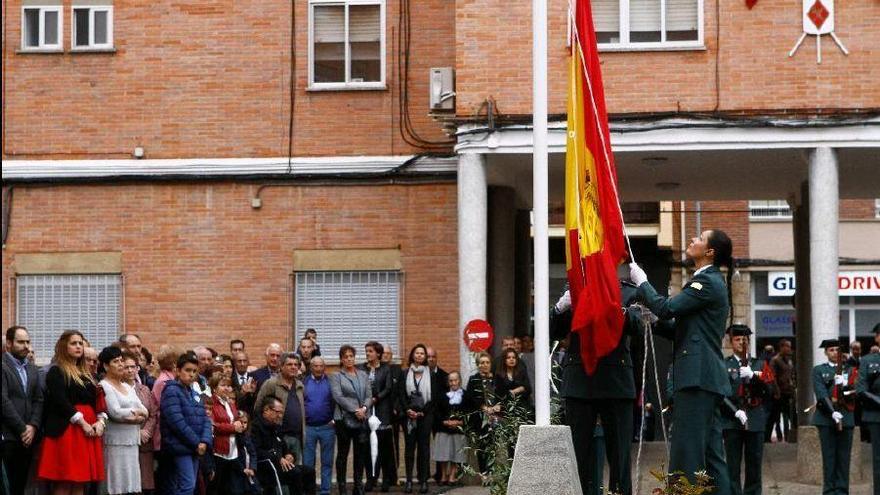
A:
{"points": [[577, 44]]}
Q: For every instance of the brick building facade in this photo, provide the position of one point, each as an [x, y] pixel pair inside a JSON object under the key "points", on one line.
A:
{"points": [[160, 136]]}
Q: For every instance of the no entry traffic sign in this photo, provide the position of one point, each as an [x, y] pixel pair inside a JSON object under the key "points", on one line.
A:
{"points": [[478, 335]]}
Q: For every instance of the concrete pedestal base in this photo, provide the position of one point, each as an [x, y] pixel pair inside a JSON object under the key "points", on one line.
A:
{"points": [[544, 462], [809, 457]]}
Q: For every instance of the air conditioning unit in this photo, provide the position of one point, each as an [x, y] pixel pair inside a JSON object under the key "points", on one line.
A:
{"points": [[442, 87]]}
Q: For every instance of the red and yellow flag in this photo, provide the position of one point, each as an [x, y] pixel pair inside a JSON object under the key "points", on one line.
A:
{"points": [[593, 223]]}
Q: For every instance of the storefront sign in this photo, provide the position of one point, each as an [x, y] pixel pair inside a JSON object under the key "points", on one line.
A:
{"points": [[862, 283]]}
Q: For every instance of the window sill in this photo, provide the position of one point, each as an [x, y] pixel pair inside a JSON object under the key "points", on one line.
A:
{"points": [[653, 48], [93, 50], [347, 87], [39, 51]]}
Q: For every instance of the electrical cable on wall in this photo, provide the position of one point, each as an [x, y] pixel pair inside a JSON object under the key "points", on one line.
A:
{"points": [[292, 86], [407, 130]]}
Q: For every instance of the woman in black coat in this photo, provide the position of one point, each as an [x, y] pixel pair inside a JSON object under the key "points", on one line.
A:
{"points": [[383, 397], [483, 406], [513, 385], [418, 408]]}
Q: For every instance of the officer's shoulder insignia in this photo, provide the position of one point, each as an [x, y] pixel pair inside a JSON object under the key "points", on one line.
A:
{"points": [[697, 285]]}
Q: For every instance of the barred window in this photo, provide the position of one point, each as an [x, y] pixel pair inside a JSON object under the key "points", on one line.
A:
{"points": [[50, 304], [774, 209], [348, 308]]}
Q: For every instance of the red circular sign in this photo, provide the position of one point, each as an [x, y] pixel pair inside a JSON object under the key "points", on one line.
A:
{"points": [[478, 335]]}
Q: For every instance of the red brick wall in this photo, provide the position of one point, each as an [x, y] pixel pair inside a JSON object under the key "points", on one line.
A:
{"points": [[493, 46], [201, 266], [730, 216], [208, 79]]}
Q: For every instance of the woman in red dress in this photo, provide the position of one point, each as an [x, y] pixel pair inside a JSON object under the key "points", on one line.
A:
{"points": [[71, 455]]}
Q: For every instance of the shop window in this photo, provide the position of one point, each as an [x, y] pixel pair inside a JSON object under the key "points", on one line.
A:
{"points": [[347, 44], [92, 28], [648, 24], [41, 28], [348, 307], [50, 304], [774, 209]]}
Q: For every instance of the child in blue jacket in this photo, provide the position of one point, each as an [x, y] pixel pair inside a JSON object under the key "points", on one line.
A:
{"points": [[185, 428]]}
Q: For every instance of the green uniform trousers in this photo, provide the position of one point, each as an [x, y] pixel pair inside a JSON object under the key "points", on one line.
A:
{"points": [[874, 429], [617, 427], [836, 450], [697, 443], [739, 443]]}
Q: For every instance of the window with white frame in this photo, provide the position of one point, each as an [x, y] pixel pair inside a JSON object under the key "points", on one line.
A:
{"points": [[774, 209], [50, 304], [348, 308], [646, 24], [92, 27], [41, 28], [347, 44]]}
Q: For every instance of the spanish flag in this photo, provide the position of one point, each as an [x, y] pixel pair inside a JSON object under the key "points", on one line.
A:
{"points": [[593, 219]]}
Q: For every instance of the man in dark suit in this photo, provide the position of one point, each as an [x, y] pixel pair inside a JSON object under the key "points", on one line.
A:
{"points": [[273, 365], [608, 394], [22, 407], [243, 383]]}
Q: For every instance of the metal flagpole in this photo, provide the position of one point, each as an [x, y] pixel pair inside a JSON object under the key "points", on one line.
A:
{"points": [[540, 219]]}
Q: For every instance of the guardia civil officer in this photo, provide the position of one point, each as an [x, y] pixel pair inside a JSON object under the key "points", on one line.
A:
{"points": [[608, 394], [868, 388], [751, 381], [834, 418], [700, 381]]}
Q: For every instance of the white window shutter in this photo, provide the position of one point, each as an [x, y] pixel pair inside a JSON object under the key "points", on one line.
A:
{"points": [[50, 304], [348, 308], [681, 15], [606, 15], [644, 15], [363, 24], [329, 24]]}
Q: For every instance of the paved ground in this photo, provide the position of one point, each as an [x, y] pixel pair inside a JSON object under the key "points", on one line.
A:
{"points": [[780, 473]]}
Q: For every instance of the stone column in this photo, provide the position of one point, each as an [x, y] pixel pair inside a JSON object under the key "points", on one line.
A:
{"points": [[472, 246], [824, 223]]}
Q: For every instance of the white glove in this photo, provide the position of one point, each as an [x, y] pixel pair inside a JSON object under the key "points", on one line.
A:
{"points": [[746, 373], [742, 417], [837, 417], [564, 303], [636, 274], [840, 379]]}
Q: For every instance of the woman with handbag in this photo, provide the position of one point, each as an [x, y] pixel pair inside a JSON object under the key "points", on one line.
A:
{"points": [[350, 388], [418, 407]]}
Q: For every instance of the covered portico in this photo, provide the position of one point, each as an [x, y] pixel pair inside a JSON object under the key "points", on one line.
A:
{"points": [[813, 163]]}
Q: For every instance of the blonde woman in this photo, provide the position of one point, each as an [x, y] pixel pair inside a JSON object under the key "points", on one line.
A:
{"points": [[72, 455]]}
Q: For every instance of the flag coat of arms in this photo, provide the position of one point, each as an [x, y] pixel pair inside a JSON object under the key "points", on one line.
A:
{"points": [[593, 219]]}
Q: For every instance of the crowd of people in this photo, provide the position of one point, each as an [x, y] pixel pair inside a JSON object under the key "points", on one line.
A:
{"points": [[123, 420]]}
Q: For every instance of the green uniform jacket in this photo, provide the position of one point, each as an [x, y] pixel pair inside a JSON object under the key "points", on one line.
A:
{"points": [[700, 313], [614, 377], [869, 381], [823, 384], [760, 391]]}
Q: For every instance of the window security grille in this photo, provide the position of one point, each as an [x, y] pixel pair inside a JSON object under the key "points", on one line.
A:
{"points": [[348, 308], [769, 209], [50, 304]]}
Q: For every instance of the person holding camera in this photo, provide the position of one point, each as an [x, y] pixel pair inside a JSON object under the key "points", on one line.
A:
{"points": [[418, 408], [350, 388]]}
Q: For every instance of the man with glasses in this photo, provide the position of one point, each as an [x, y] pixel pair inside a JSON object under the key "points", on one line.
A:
{"points": [[289, 390], [244, 384], [274, 458]]}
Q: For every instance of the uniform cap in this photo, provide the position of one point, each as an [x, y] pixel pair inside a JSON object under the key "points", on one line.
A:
{"points": [[738, 329]]}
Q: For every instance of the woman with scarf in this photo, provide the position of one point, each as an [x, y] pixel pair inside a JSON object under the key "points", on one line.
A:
{"points": [[418, 408], [449, 443]]}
